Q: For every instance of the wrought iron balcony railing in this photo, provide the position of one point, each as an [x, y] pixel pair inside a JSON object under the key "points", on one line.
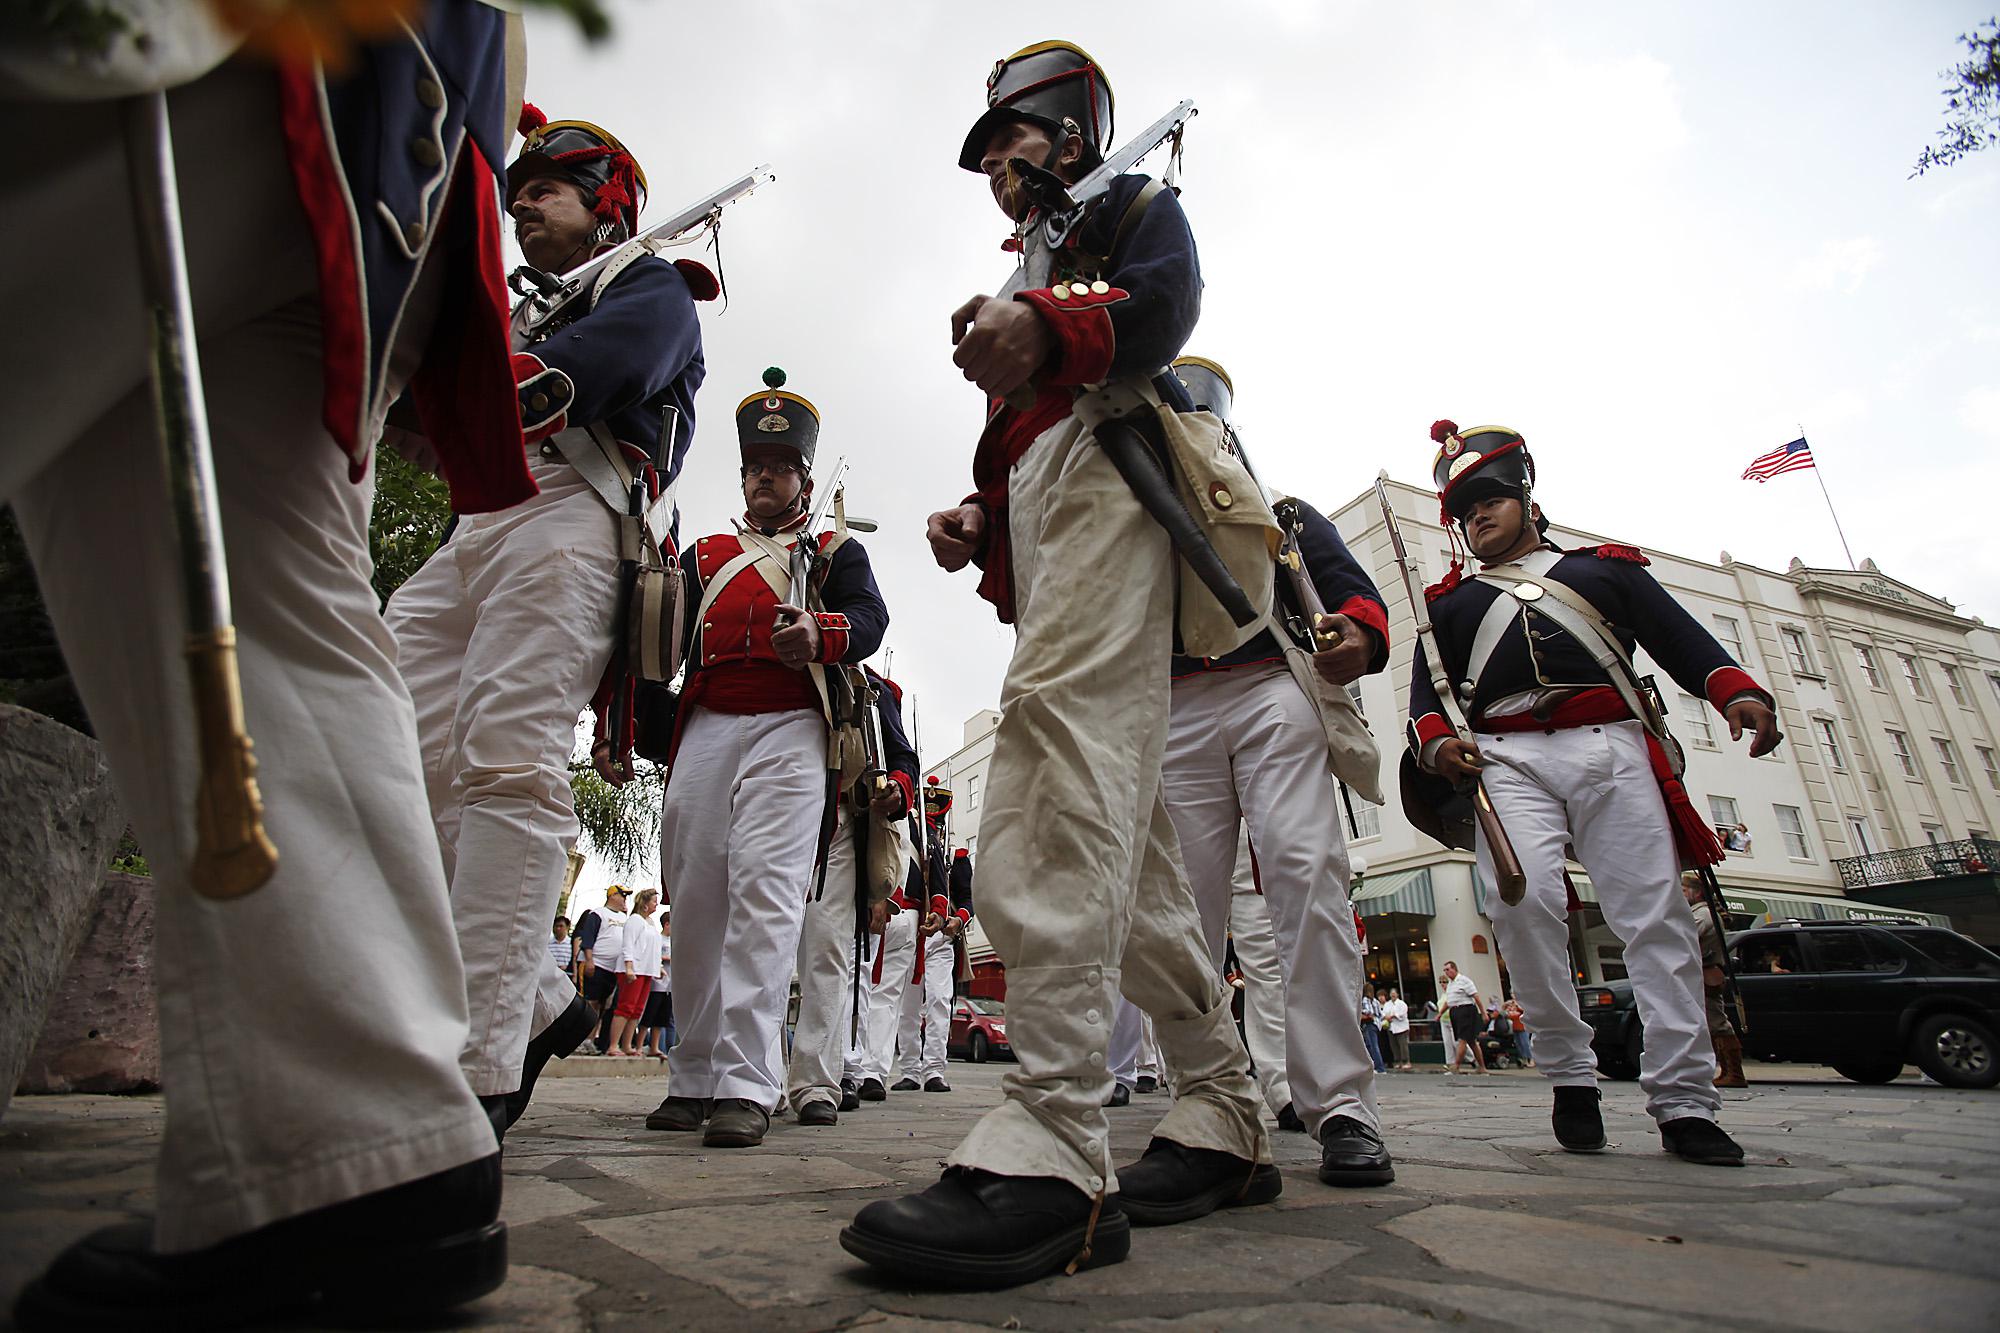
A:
{"points": [[1933, 860]]}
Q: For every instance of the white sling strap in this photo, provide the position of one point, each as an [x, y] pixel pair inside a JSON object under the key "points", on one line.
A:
{"points": [[1574, 615]]}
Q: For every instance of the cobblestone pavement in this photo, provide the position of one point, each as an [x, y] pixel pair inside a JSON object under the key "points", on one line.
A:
{"points": [[1862, 1208]]}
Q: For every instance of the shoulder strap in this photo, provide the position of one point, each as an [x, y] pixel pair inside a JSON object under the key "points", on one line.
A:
{"points": [[713, 589], [1574, 614]]}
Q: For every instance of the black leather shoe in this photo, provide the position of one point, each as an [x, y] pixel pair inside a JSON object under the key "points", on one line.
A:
{"points": [[495, 1107], [1578, 1123], [818, 1112], [872, 1091], [557, 1042], [1147, 1083], [1120, 1095], [1176, 1183], [1351, 1154], [850, 1100], [1288, 1119], [906, 1084], [679, 1113], [736, 1122], [979, 1231], [1701, 1141], [936, 1085], [416, 1249]]}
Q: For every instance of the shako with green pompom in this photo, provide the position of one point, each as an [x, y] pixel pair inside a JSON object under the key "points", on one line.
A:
{"points": [[777, 419]]}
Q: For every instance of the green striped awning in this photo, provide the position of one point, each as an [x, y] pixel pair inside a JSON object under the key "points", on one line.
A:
{"points": [[1397, 891], [1783, 906]]}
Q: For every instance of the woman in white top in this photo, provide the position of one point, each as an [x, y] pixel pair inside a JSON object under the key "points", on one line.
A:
{"points": [[1397, 1013], [636, 970]]}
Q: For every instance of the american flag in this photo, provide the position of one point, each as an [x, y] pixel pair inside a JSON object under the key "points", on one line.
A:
{"points": [[1791, 458]]}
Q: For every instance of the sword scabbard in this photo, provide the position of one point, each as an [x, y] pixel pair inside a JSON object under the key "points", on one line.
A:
{"points": [[233, 855]]}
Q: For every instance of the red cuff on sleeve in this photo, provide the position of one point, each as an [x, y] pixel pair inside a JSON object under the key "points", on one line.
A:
{"points": [[832, 636], [1430, 727], [902, 780], [545, 395], [1080, 322], [1726, 682], [964, 915], [1370, 613]]}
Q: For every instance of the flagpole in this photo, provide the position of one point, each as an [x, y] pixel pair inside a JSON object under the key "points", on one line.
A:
{"points": [[1819, 474]]}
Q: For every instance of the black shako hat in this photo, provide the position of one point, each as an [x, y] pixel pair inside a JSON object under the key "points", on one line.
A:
{"points": [[1056, 85], [775, 419], [1208, 384], [608, 174], [1479, 464]]}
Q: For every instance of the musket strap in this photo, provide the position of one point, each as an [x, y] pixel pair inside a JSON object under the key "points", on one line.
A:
{"points": [[601, 462], [1575, 616], [1493, 626]]}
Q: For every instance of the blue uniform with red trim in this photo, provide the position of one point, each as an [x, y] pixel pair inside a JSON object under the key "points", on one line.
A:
{"points": [[1341, 583], [898, 756], [1534, 653], [1140, 324]]}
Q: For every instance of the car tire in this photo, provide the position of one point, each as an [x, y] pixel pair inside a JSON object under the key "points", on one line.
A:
{"points": [[978, 1048], [1869, 1071], [1957, 1051]]}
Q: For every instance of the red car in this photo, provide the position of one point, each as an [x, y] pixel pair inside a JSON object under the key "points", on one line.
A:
{"points": [[978, 1030]]}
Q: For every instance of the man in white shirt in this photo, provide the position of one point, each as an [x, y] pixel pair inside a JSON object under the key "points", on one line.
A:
{"points": [[607, 955], [561, 947], [1397, 1011], [1461, 1002]]}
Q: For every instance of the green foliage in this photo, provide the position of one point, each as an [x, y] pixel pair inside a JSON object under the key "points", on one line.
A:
{"points": [[86, 26], [620, 824], [1971, 101], [412, 509], [129, 858], [588, 15]]}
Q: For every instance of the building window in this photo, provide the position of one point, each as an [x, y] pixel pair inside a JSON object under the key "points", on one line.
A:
{"points": [[1694, 712], [1793, 830], [1934, 834], [1913, 674], [1354, 693], [971, 794], [1866, 657], [1858, 834], [1730, 635], [1993, 679], [1948, 760], [1899, 745], [1991, 763], [1954, 682], [1367, 815], [1829, 740], [1795, 650], [1723, 810]]}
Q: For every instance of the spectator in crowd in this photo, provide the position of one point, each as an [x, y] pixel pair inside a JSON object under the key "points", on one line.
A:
{"points": [[1524, 1045], [561, 947], [1461, 1002], [1737, 839], [1371, 1025], [600, 945], [656, 1035], [1396, 1021], [637, 967]]}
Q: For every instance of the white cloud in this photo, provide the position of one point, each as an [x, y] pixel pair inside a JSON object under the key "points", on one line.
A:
{"points": [[1838, 265], [1979, 411]]}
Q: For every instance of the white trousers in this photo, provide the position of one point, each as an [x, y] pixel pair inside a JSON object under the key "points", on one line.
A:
{"points": [[826, 978], [737, 840], [503, 636], [926, 1017], [1246, 747], [1263, 969], [1593, 787], [1127, 1035], [882, 1001], [1081, 887], [309, 1032]]}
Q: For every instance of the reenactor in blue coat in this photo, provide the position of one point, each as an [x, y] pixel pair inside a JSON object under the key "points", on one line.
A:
{"points": [[1081, 890], [1537, 648], [321, 1142], [508, 632]]}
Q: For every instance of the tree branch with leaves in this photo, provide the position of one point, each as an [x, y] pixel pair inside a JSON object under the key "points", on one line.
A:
{"points": [[1971, 101]]}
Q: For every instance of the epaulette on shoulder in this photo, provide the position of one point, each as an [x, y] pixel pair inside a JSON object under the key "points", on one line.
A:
{"points": [[1614, 551], [702, 284], [1444, 585]]}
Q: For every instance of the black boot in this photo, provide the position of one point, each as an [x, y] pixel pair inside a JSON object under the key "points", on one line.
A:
{"points": [[936, 1084], [558, 1041], [1578, 1123], [1288, 1119], [873, 1091], [1176, 1183], [1147, 1083], [818, 1112], [850, 1099], [736, 1122], [906, 1084], [495, 1107], [1701, 1141], [1350, 1153], [1120, 1095], [416, 1249], [976, 1230], [679, 1114]]}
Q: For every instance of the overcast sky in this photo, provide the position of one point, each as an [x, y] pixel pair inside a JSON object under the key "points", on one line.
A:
{"points": [[1656, 239]]}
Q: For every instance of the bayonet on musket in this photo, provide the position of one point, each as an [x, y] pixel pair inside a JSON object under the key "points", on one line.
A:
{"points": [[1513, 883], [545, 296]]}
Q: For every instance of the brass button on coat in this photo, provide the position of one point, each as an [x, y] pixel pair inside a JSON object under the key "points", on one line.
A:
{"points": [[430, 93], [427, 152]]}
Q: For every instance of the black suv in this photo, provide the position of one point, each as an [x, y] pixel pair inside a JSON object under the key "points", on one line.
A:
{"points": [[1863, 996]]}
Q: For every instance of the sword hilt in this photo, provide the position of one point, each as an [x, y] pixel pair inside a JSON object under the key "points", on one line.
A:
{"points": [[233, 856]]}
